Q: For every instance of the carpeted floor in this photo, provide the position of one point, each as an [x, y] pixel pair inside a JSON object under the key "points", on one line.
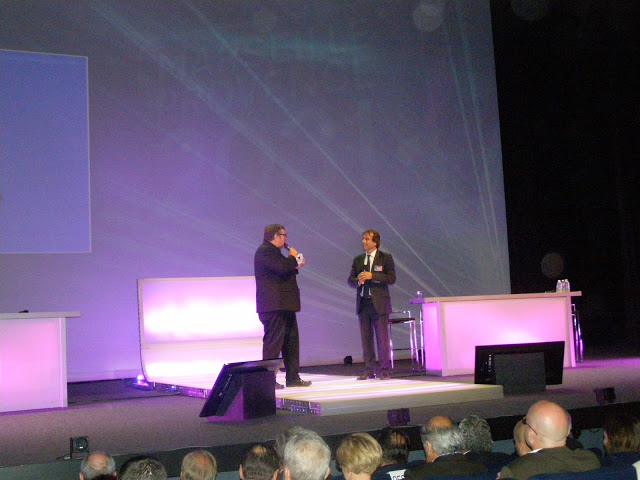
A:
{"points": [[124, 420]]}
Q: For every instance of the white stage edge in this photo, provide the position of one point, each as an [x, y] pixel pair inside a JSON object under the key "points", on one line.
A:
{"points": [[341, 395]]}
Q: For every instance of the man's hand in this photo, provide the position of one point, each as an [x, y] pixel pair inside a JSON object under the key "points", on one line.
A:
{"points": [[364, 276], [293, 252]]}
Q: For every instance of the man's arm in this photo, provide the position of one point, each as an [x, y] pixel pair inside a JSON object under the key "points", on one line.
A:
{"points": [[270, 259], [353, 275]]}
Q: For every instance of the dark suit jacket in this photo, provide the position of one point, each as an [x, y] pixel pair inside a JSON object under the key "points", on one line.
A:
{"points": [[384, 274], [276, 285], [455, 464], [551, 460]]}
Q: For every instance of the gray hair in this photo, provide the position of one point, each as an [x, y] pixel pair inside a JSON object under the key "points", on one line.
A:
{"points": [[307, 456], [443, 439], [476, 434], [92, 465], [283, 437], [145, 469]]}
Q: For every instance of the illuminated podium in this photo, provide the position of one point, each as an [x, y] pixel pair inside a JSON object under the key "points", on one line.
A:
{"points": [[33, 360]]}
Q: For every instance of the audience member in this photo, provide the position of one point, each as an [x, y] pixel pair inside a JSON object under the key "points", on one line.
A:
{"points": [[547, 427], [95, 464], [143, 468], [199, 465], [306, 457], [621, 439], [477, 443], [395, 446], [260, 462], [282, 438], [518, 439], [359, 455], [442, 442]]}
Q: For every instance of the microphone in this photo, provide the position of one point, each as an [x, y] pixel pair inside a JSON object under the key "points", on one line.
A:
{"points": [[299, 257]]}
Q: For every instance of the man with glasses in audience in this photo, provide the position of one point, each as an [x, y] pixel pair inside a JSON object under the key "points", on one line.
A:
{"points": [[278, 300], [547, 426]]}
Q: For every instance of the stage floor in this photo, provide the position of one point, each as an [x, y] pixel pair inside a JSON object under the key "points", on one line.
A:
{"points": [[341, 395], [338, 395]]}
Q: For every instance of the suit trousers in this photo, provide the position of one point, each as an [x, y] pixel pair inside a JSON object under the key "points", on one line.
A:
{"points": [[373, 324], [281, 335]]}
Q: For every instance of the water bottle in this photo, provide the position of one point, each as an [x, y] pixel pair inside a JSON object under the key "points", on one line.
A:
{"points": [[559, 285]]}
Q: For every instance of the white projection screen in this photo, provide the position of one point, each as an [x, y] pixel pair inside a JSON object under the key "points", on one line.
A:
{"points": [[209, 120], [44, 154]]}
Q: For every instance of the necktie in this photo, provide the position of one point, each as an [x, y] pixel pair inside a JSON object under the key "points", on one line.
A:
{"points": [[367, 267]]}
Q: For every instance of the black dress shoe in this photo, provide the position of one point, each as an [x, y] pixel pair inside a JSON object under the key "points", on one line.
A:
{"points": [[299, 383], [385, 376], [366, 376], [279, 386]]}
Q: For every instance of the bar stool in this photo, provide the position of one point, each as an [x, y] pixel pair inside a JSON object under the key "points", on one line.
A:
{"points": [[404, 318], [577, 334]]}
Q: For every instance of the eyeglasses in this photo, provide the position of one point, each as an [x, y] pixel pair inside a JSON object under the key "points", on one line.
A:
{"points": [[524, 422]]}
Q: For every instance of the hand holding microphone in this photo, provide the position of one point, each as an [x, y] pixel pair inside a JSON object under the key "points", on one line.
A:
{"points": [[299, 257]]}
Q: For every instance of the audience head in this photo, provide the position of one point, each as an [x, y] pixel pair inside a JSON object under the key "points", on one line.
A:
{"points": [[518, 439], [95, 464], [260, 462], [359, 453], [142, 468], [306, 457], [548, 425], [395, 445], [199, 465], [621, 433], [440, 436], [476, 434], [282, 438]]}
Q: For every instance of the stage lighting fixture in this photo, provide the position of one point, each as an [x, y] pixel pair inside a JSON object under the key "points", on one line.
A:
{"points": [[78, 445], [605, 395], [399, 417]]}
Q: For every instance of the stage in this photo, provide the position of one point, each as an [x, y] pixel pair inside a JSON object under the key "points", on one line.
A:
{"points": [[123, 420]]}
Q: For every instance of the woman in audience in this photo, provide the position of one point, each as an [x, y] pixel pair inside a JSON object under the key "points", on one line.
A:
{"points": [[621, 439], [359, 455]]}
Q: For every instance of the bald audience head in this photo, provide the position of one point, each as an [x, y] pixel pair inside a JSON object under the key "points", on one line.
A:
{"points": [[518, 439], [548, 425], [98, 463], [199, 465], [440, 436]]}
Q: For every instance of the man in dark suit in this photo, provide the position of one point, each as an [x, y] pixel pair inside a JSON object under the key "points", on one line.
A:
{"points": [[278, 300], [443, 443], [547, 427], [371, 274]]}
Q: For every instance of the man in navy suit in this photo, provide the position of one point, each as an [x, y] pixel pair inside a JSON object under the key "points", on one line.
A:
{"points": [[371, 274], [278, 300]]}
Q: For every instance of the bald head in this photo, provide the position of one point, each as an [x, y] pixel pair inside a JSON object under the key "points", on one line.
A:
{"points": [[97, 463], [439, 422], [549, 425], [440, 436]]}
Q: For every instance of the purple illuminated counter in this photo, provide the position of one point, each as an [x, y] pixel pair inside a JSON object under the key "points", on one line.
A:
{"points": [[453, 326], [33, 360]]}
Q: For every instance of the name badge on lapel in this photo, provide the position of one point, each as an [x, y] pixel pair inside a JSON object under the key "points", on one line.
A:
{"points": [[377, 268]]}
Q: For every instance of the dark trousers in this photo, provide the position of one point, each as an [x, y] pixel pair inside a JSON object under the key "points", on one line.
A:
{"points": [[281, 335], [373, 324]]}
